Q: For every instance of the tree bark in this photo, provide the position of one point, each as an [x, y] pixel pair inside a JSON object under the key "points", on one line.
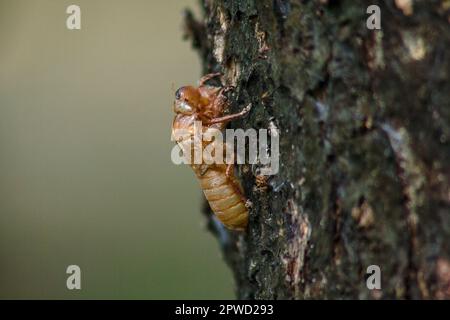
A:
{"points": [[364, 120]]}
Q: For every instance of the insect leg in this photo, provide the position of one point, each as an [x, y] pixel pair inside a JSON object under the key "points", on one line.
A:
{"points": [[232, 179], [229, 172], [226, 89], [208, 77], [230, 116]]}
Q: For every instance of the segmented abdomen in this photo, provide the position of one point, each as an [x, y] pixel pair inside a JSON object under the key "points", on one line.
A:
{"points": [[224, 199]]}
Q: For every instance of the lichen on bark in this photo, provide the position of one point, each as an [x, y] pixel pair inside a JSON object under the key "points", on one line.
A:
{"points": [[364, 122]]}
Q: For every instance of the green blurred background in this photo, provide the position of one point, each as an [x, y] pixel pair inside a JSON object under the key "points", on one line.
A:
{"points": [[85, 170]]}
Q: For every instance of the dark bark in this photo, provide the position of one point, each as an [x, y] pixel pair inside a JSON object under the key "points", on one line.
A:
{"points": [[364, 120]]}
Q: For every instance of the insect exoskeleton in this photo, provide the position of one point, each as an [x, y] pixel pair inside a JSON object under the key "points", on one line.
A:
{"points": [[221, 188], [225, 197]]}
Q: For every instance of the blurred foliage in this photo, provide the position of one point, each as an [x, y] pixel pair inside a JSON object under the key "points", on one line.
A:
{"points": [[86, 176]]}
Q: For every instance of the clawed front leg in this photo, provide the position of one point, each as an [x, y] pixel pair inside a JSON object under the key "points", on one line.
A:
{"points": [[229, 172], [230, 116], [226, 89], [208, 77]]}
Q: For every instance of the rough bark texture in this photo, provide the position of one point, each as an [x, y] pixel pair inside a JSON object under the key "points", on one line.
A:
{"points": [[364, 120]]}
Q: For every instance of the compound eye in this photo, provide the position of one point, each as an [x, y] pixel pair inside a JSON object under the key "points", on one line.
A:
{"points": [[183, 107], [178, 93]]}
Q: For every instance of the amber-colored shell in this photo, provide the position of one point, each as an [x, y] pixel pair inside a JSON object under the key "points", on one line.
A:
{"points": [[224, 197], [223, 192]]}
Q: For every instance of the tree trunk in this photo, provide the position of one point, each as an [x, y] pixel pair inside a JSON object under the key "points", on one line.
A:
{"points": [[364, 120]]}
